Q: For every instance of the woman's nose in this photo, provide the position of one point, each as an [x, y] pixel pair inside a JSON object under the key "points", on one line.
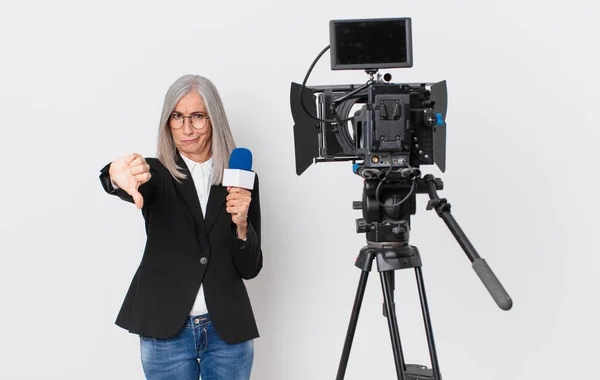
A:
{"points": [[187, 127]]}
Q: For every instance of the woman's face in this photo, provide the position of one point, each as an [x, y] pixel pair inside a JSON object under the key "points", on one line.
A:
{"points": [[193, 138]]}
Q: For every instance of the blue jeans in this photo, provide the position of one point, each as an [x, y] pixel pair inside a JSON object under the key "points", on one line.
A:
{"points": [[196, 352]]}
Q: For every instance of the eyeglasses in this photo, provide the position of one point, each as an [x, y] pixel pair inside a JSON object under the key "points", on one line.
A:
{"points": [[198, 120]]}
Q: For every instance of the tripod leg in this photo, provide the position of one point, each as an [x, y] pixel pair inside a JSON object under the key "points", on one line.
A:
{"points": [[387, 279], [428, 328], [360, 292]]}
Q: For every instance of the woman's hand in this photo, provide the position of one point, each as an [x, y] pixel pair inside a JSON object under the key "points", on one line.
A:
{"points": [[128, 173], [238, 203]]}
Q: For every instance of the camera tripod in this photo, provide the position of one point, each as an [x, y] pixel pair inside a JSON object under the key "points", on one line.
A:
{"points": [[386, 221]]}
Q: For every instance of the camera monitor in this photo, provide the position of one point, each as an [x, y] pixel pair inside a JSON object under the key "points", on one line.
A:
{"points": [[364, 44]]}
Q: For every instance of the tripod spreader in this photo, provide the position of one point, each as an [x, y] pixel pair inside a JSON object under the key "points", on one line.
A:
{"points": [[390, 257], [489, 279]]}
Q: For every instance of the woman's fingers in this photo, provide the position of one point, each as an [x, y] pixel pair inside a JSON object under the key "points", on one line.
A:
{"points": [[142, 177], [237, 196], [137, 161], [130, 158], [139, 169], [237, 190], [237, 210], [237, 203]]}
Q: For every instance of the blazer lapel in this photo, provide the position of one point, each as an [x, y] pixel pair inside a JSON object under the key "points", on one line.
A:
{"points": [[190, 195], [216, 201]]}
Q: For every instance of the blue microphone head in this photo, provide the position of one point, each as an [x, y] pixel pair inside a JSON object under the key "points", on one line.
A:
{"points": [[241, 158]]}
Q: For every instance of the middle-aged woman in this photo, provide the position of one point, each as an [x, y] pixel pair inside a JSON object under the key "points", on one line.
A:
{"points": [[187, 300]]}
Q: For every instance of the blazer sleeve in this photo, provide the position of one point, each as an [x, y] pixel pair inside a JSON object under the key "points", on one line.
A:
{"points": [[148, 189], [247, 254]]}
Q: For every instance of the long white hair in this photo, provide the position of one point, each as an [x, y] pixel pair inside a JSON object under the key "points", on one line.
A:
{"points": [[222, 140]]}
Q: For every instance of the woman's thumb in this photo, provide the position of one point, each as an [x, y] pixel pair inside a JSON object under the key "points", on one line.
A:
{"points": [[137, 198]]}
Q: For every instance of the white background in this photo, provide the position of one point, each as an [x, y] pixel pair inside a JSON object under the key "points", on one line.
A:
{"points": [[82, 83]]}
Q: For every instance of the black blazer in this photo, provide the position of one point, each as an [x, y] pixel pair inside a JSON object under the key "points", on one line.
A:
{"points": [[184, 250]]}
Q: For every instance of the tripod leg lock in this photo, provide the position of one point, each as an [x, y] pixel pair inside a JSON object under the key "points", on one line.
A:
{"points": [[440, 205], [385, 314]]}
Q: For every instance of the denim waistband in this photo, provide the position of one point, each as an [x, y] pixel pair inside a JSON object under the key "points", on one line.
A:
{"points": [[198, 320]]}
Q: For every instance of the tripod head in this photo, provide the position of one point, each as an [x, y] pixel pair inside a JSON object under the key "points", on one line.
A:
{"points": [[388, 202]]}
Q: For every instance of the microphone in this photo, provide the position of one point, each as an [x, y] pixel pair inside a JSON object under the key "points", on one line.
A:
{"points": [[239, 173]]}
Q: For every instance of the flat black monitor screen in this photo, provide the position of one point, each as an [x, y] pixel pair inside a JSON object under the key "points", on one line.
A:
{"points": [[370, 43]]}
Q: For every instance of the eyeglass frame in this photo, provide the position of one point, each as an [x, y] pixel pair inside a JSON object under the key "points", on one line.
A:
{"points": [[205, 117]]}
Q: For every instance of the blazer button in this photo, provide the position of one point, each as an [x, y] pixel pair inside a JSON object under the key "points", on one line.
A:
{"points": [[203, 260]]}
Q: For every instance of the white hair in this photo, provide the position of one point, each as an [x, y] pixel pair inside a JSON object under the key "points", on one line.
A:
{"points": [[222, 140]]}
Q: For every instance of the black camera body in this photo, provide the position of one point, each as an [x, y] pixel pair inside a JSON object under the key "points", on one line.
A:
{"points": [[400, 125]]}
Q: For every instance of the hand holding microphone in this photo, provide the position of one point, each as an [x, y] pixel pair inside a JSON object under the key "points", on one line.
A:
{"points": [[239, 180], [128, 173], [238, 203]]}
